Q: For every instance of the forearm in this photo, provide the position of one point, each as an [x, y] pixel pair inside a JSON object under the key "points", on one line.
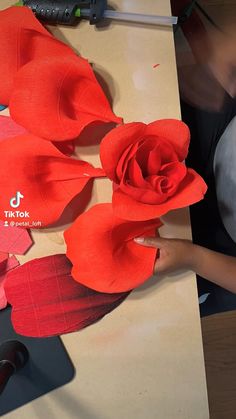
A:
{"points": [[214, 266]]}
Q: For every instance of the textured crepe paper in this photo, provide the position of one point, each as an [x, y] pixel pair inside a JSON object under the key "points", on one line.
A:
{"points": [[46, 178], [14, 240], [8, 128], [5, 266], [63, 99], [46, 301], [145, 162], [104, 254], [23, 39], [3, 256]]}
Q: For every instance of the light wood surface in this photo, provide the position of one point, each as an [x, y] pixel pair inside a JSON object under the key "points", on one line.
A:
{"points": [[145, 359], [219, 339]]}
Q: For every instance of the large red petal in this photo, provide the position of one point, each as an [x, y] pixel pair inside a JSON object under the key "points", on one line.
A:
{"points": [[116, 142], [46, 178], [47, 301], [104, 254], [64, 99], [190, 191], [175, 132], [22, 39]]}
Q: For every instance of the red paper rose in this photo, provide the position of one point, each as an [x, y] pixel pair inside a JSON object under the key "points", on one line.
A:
{"points": [[146, 164]]}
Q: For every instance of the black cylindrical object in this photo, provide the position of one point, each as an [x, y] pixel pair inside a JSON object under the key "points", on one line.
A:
{"points": [[13, 356], [63, 11], [54, 11]]}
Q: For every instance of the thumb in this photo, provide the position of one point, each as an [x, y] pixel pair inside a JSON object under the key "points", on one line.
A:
{"points": [[157, 242]]}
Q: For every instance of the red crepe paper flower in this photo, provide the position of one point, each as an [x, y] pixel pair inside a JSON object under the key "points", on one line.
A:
{"points": [[46, 301], [61, 101], [104, 254], [145, 163], [23, 39], [46, 178]]}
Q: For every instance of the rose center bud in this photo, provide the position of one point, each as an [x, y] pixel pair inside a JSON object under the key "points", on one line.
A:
{"points": [[151, 171]]}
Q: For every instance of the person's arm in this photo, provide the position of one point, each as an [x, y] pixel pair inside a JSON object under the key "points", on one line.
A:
{"points": [[183, 254]]}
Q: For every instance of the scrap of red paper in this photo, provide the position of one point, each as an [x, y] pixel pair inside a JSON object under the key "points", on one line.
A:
{"points": [[5, 266], [3, 256], [14, 240], [46, 178], [145, 162], [104, 254], [9, 128], [46, 301]]}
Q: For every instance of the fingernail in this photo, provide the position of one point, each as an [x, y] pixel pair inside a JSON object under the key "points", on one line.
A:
{"points": [[139, 239]]}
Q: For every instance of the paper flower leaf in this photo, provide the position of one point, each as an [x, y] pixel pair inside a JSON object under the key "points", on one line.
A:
{"points": [[47, 179], [22, 40], [145, 162], [46, 301], [14, 240], [5, 266], [104, 254], [8, 128]]}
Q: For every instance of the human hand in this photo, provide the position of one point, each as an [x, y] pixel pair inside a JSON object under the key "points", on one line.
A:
{"points": [[174, 254]]}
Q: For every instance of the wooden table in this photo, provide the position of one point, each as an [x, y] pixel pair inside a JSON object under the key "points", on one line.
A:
{"points": [[145, 359]]}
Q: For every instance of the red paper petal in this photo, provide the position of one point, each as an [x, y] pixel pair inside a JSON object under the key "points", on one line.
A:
{"points": [[47, 301], [154, 161], [116, 142], [8, 128], [5, 267], [66, 147], [175, 132], [46, 178], [104, 254], [22, 39], [191, 190], [14, 240], [64, 99]]}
